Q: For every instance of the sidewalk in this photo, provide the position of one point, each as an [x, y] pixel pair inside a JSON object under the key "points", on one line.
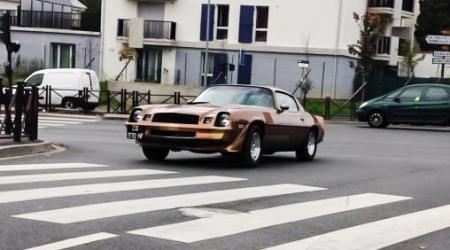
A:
{"points": [[10, 149]]}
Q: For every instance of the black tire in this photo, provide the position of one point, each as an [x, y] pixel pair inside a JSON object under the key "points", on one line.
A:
{"points": [[250, 155], [155, 154], [69, 104], [308, 149], [377, 119]]}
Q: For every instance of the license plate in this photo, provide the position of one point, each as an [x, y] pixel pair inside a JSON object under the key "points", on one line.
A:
{"points": [[135, 136]]}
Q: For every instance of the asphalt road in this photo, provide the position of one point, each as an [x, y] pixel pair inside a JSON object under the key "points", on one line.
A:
{"points": [[370, 182]]}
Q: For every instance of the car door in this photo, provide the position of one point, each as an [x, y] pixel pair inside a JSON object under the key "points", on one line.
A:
{"points": [[288, 122], [434, 108], [404, 109]]}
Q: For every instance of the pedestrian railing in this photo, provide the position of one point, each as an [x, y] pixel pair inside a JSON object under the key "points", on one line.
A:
{"points": [[19, 113], [332, 108]]}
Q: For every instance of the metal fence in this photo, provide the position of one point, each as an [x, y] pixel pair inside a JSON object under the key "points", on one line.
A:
{"points": [[19, 113], [332, 108]]}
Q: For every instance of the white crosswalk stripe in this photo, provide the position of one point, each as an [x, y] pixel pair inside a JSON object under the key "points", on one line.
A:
{"points": [[378, 234], [112, 209], [64, 244], [210, 224], [77, 176], [204, 229], [42, 193], [53, 120]]}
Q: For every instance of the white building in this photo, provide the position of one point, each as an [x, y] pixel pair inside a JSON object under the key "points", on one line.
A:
{"points": [[251, 41]]}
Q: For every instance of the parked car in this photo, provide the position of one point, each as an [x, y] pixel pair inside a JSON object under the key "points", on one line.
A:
{"points": [[67, 86], [235, 120], [424, 104]]}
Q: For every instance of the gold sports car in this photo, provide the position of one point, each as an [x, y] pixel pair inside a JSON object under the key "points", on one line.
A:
{"points": [[236, 120]]}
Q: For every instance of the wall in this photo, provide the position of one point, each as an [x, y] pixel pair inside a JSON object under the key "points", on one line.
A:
{"points": [[9, 5], [37, 49], [151, 11]]}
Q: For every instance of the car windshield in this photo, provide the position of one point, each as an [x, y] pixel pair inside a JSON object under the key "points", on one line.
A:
{"points": [[227, 95]]}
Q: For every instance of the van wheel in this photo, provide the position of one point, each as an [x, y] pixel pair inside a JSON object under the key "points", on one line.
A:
{"points": [[69, 104]]}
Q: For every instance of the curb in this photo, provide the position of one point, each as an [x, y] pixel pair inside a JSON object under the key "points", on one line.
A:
{"points": [[26, 149], [342, 122]]}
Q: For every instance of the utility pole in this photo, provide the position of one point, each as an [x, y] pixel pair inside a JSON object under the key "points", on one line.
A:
{"points": [[206, 60]]}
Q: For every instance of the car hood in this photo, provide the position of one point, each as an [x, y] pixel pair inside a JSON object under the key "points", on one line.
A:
{"points": [[194, 109]]}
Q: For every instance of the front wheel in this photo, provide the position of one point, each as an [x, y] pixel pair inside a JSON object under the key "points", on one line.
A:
{"points": [[308, 149], [377, 120], [69, 104], [155, 154], [251, 152]]}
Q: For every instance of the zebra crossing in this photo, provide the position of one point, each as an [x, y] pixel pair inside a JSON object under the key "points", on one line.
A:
{"points": [[214, 225], [55, 120]]}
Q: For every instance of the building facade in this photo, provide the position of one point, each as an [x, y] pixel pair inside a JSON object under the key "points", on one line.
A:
{"points": [[53, 34], [250, 41]]}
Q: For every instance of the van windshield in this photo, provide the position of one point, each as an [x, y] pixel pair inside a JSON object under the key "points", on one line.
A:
{"points": [[35, 80]]}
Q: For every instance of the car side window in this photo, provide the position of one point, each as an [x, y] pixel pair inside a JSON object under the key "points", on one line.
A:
{"points": [[436, 94], [392, 96], [283, 99], [411, 95], [35, 80]]}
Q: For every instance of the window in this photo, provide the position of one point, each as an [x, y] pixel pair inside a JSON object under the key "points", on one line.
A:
{"points": [[228, 95], [284, 99], [222, 22], [35, 80], [149, 65], [436, 95], [393, 95], [262, 23], [384, 45], [63, 55], [210, 68], [411, 95]]}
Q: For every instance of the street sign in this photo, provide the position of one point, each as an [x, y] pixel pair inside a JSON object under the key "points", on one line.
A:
{"points": [[441, 54], [438, 40], [441, 60]]}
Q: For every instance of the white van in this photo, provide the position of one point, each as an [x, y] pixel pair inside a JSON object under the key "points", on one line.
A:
{"points": [[67, 87]]}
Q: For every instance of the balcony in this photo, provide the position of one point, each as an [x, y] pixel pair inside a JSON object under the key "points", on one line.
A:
{"points": [[381, 6], [56, 20], [154, 30]]}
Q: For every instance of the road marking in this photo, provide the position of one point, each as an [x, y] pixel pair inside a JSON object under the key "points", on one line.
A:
{"points": [[78, 175], [378, 234], [58, 122], [69, 116], [119, 208], [64, 244], [42, 193], [49, 166], [65, 119], [224, 225], [51, 124]]}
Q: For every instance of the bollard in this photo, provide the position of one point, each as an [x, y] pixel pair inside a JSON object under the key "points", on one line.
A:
{"points": [[327, 114], [18, 106]]}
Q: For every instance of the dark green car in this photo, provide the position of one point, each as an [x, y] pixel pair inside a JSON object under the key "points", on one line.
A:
{"points": [[424, 104]]}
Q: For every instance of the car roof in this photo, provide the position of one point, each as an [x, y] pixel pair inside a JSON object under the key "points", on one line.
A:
{"points": [[43, 71], [273, 89], [429, 85]]}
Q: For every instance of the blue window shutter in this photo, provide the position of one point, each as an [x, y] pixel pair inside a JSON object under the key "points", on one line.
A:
{"points": [[245, 70], [220, 68], [204, 22], [246, 24]]}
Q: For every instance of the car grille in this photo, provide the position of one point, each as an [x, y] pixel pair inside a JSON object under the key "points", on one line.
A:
{"points": [[175, 118], [173, 133]]}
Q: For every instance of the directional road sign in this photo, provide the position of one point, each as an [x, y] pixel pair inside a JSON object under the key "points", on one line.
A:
{"points": [[442, 60], [438, 40], [441, 53]]}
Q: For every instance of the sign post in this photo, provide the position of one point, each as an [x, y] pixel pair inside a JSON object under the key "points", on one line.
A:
{"points": [[440, 57]]}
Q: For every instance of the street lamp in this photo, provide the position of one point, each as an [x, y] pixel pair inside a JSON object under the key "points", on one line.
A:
{"points": [[206, 61]]}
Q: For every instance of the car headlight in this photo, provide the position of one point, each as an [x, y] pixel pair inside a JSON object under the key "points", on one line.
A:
{"points": [[136, 115], [363, 105], [223, 120]]}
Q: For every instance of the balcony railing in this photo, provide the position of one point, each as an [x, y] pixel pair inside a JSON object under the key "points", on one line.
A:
{"points": [[384, 45], [56, 20], [159, 29], [152, 29], [408, 5], [381, 3]]}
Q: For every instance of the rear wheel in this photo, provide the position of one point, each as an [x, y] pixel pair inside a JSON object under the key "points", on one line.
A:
{"points": [[155, 154], [251, 152], [308, 149], [69, 104], [377, 119]]}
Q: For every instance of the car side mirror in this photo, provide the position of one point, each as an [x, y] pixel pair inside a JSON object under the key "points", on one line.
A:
{"points": [[284, 107], [397, 100]]}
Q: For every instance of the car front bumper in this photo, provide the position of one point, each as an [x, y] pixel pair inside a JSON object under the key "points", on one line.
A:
{"points": [[196, 138], [363, 115]]}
